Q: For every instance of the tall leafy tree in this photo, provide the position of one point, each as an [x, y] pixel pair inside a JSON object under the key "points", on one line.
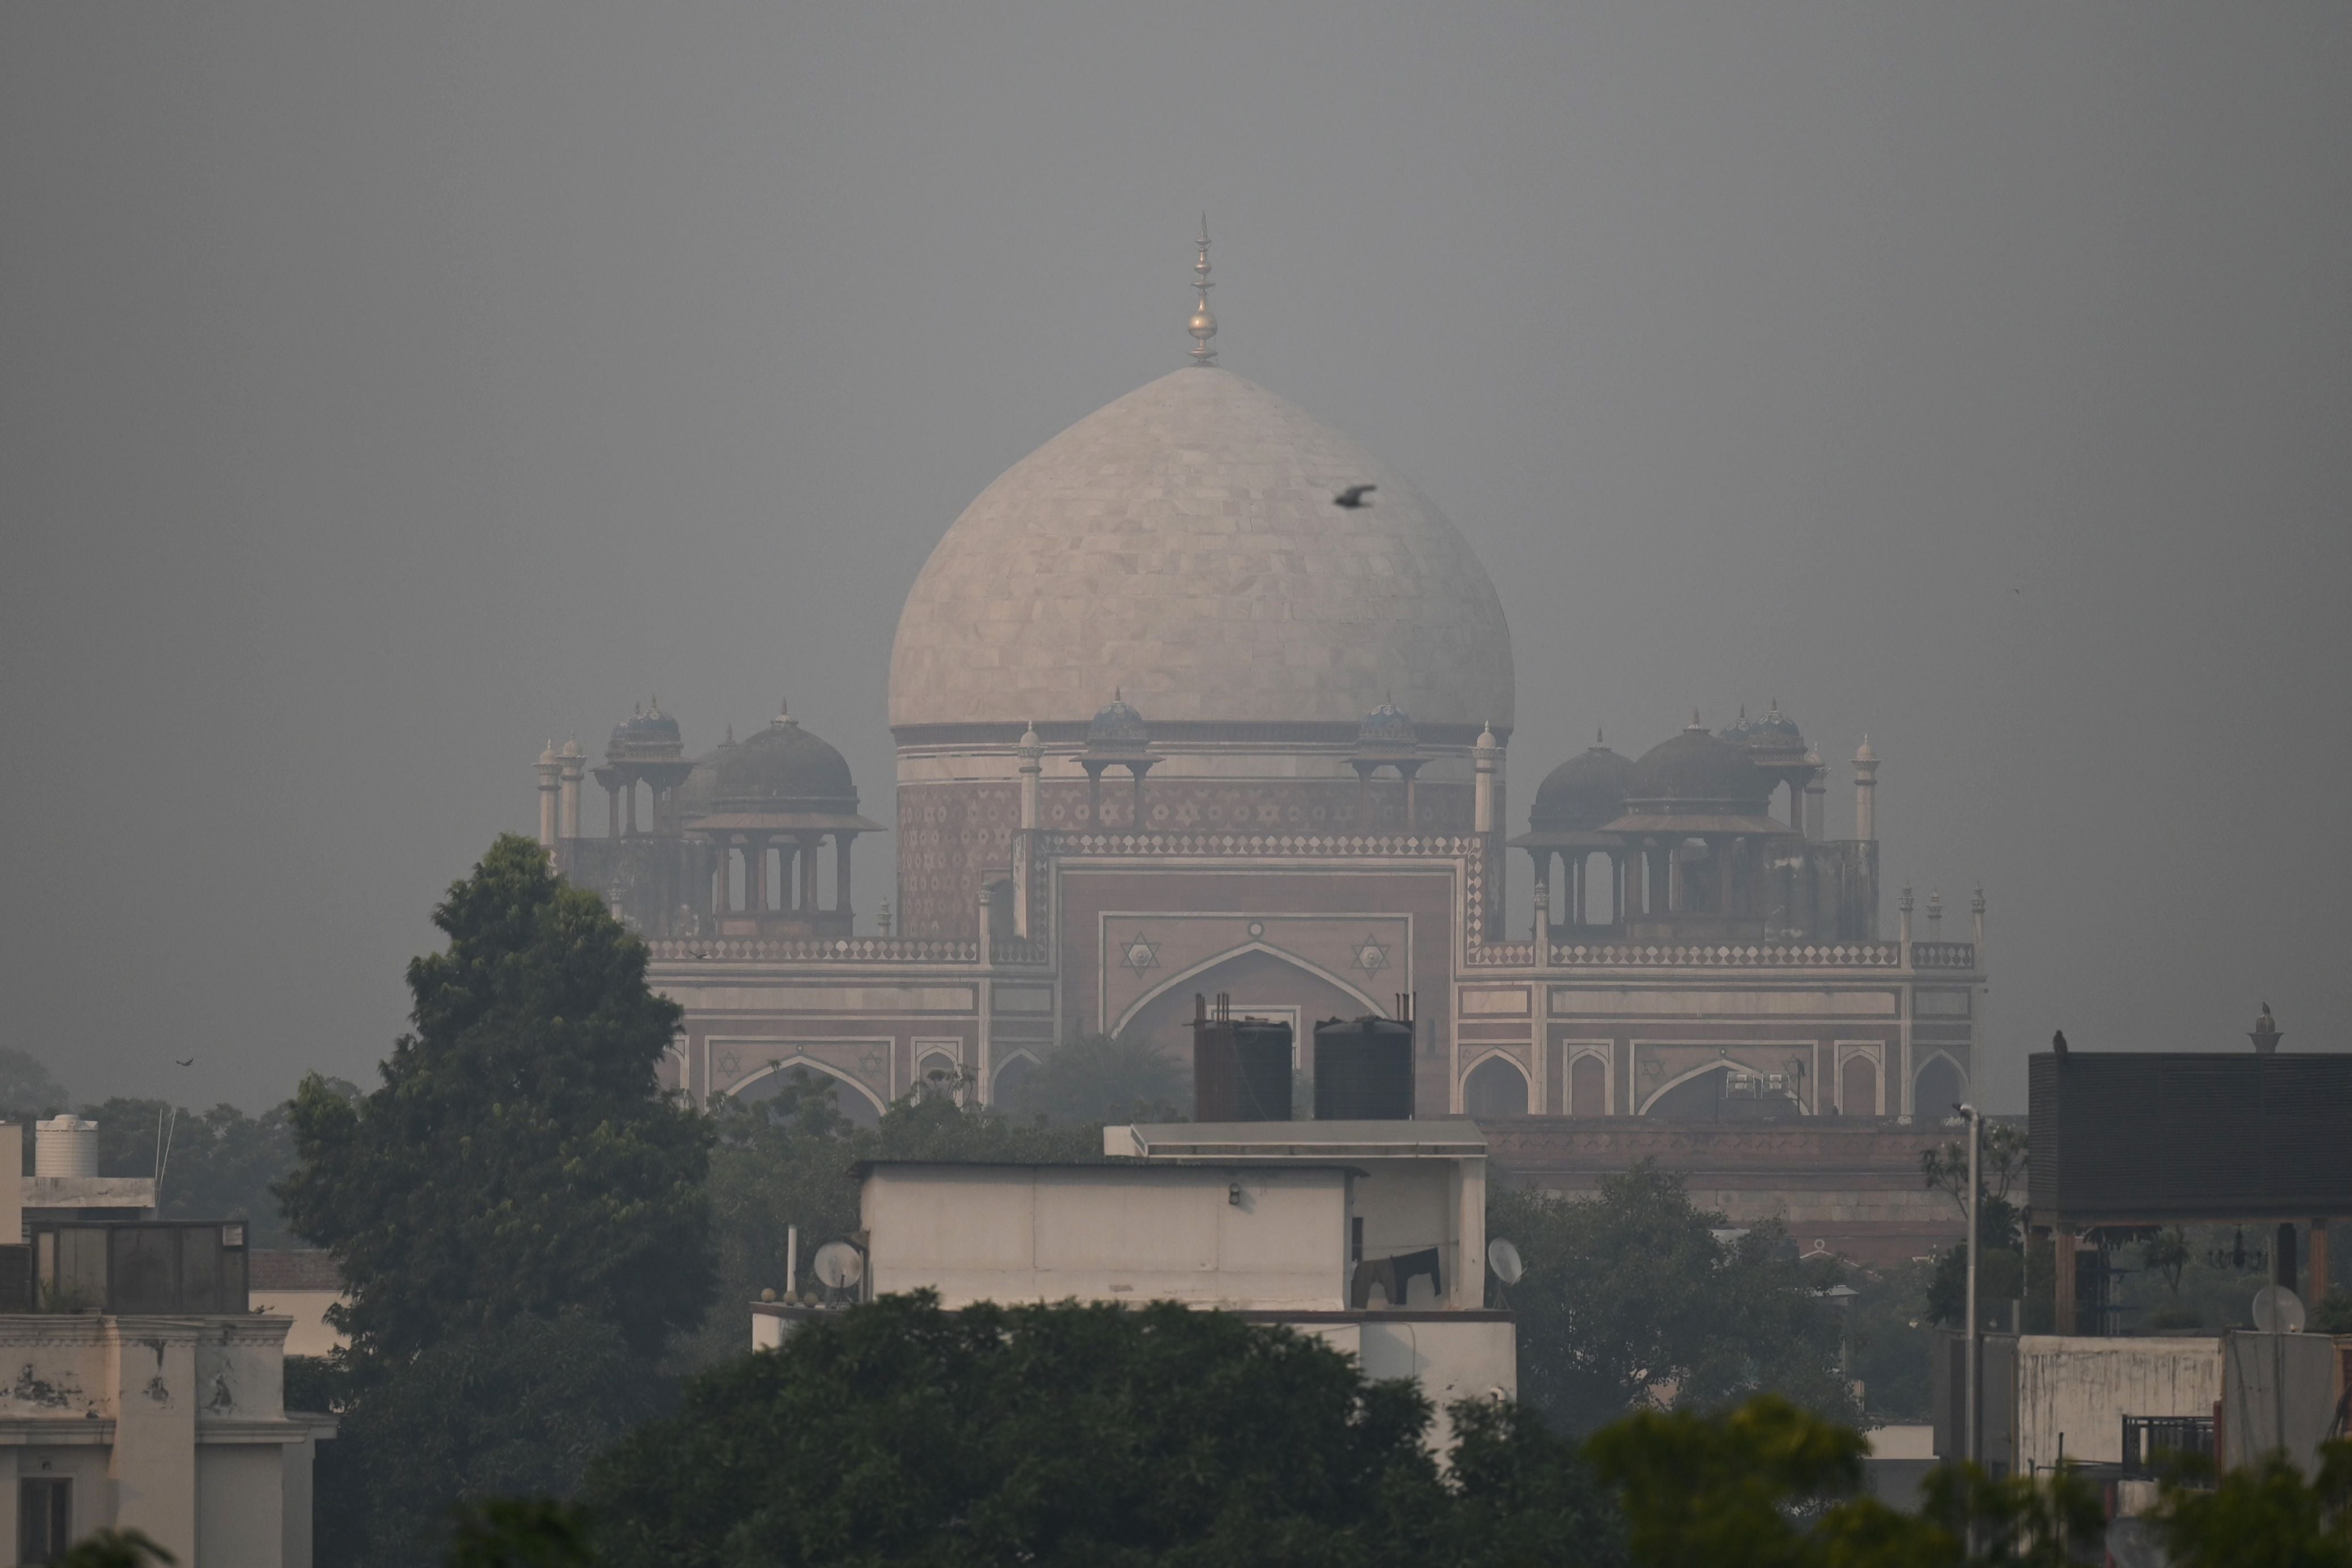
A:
{"points": [[1630, 1300], [28, 1090], [517, 1158]]}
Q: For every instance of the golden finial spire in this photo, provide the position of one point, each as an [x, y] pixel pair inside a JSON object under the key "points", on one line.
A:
{"points": [[1204, 325]]}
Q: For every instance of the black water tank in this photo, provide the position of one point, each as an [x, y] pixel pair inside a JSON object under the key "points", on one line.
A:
{"points": [[1241, 1071], [1363, 1070]]}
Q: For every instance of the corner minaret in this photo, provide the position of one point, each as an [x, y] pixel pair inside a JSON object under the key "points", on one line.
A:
{"points": [[1865, 793], [1204, 325]]}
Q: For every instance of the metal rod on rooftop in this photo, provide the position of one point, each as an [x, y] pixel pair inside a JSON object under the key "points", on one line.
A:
{"points": [[1975, 1394]]}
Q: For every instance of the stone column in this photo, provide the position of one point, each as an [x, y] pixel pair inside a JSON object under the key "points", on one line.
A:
{"points": [[755, 874], [1541, 896], [1032, 763], [1817, 804], [1865, 793], [629, 816], [549, 768], [841, 842], [721, 889], [573, 766], [808, 874]]}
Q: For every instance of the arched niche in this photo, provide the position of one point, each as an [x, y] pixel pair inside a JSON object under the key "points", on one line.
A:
{"points": [[1496, 1087]]}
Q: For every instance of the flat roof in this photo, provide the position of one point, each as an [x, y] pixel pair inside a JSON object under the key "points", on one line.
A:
{"points": [[1451, 1138], [1128, 1167]]}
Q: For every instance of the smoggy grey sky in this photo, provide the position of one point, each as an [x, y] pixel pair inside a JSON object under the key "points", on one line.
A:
{"points": [[385, 389]]}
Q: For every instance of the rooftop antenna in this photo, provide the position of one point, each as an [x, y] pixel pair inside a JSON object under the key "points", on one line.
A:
{"points": [[1203, 325]]}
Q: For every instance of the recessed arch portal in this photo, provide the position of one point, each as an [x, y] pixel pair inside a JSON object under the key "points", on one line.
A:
{"points": [[1497, 1086], [853, 1100]]}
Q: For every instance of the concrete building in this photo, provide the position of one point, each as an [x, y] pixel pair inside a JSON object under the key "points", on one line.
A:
{"points": [[2051, 1396], [1370, 1236], [143, 1392], [1171, 718]]}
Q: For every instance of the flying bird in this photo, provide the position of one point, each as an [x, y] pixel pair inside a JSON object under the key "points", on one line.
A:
{"points": [[1353, 496], [188, 1063], [2058, 1042]]}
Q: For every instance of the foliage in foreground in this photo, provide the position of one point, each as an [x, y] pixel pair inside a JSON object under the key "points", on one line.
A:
{"points": [[519, 1158], [1628, 1300], [518, 1212], [1074, 1434], [2267, 1514]]}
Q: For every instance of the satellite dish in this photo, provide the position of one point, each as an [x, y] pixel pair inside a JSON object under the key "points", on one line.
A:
{"points": [[1504, 1259], [2278, 1310], [839, 1264]]}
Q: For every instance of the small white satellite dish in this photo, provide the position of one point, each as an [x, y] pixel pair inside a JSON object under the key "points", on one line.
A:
{"points": [[1504, 1259], [838, 1264], [2278, 1310]]}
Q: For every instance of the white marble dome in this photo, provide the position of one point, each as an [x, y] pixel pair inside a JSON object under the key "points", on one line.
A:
{"points": [[1181, 546]]}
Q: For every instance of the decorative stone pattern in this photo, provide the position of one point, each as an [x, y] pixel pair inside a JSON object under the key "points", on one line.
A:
{"points": [[1180, 545], [955, 837]]}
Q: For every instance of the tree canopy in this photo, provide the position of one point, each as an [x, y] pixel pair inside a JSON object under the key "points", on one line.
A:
{"points": [[1094, 1435], [1630, 1300], [518, 1157]]}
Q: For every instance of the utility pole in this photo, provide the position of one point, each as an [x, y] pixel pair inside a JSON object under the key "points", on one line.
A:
{"points": [[1974, 1393]]}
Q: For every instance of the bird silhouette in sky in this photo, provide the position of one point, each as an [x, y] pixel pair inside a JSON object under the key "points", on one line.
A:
{"points": [[2058, 1042], [188, 1063], [1353, 496]]}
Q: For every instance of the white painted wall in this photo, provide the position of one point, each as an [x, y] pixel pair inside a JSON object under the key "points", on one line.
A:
{"points": [[1107, 1232], [2083, 1388]]}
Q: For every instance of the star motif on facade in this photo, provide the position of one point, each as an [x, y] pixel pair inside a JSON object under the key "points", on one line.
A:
{"points": [[730, 1063], [1140, 953], [1371, 957]]}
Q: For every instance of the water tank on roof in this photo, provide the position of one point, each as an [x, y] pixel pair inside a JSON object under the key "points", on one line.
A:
{"points": [[1241, 1066], [64, 1146], [1364, 1069]]}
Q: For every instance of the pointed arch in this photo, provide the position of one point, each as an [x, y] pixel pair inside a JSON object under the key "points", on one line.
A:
{"points": [[1182, 976], [1483, 1082], [1919, 1076], [773, 1069]]}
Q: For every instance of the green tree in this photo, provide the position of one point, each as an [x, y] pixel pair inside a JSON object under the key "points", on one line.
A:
{"points": [[28, 1090], [518, 1409], [220, 1164], [1094, 1435], [2267, 1514], [520, 1532], [114, 1549], [2001, 1224], [1095, 1079], [1629, 1300], [517, 1158], [1769, 1486]]}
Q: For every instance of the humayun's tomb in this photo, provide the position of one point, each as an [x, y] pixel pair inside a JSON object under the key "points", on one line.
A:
{"points": [[1172, 719]]}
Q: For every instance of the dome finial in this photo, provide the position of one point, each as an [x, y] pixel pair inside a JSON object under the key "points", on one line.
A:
{"points": [[1204, 325]]}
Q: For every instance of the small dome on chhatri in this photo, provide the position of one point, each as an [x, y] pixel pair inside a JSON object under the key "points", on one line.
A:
{"points": [[1696, 773], [780, 768], [1773, 737], [1117, 724], [646, 734], [1586, 792], [1387, 728]]}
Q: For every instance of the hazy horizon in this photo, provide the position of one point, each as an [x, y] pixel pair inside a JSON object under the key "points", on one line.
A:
{"points": [[388, 390]]}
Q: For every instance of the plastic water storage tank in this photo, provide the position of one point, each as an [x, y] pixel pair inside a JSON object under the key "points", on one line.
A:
{"points": [[1364, 1069], [64, 1146], [1241, 1071]]}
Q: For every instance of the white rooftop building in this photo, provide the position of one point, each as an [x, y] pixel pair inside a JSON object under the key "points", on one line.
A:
{"points": [[1367, 1234]]}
